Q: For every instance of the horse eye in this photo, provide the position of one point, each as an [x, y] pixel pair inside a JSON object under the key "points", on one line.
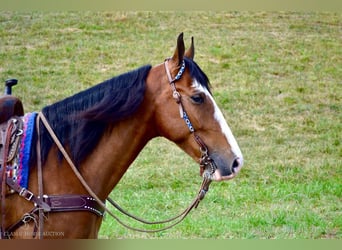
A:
{"points": [[197, 99]]}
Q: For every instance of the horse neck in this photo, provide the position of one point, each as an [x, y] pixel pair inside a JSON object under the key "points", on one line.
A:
{"points": [[119, 147], [116, 150]]}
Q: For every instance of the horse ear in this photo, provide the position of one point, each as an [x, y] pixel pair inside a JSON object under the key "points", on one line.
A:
{"points": [[190, 53], [179, 52]]}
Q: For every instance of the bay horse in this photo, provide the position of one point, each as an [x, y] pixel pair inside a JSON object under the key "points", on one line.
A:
{"points": [[103, 129]]}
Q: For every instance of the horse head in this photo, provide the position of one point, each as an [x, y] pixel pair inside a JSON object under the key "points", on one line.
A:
{"points": [[187, 114]]}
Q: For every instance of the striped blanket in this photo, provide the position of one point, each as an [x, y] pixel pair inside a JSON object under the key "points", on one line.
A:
{"points": [[19, 168]]}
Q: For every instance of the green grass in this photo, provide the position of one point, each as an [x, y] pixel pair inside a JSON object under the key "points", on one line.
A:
{"points": [[277, 77]]}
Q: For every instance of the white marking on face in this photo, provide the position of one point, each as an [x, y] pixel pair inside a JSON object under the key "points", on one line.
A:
{"points": [[218, 116]]}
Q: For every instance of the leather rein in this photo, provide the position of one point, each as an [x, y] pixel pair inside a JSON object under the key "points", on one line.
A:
{"points": [[92, 203]]}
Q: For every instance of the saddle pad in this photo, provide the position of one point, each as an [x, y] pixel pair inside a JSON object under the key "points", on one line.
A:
{"points": [[19, 170]]}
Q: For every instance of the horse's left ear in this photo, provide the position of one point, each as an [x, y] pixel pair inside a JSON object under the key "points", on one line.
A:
{"points": [[190, 53], [179, 52]]}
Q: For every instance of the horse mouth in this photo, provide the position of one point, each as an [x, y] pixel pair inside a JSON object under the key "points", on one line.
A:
{"points": [[218, 177]]}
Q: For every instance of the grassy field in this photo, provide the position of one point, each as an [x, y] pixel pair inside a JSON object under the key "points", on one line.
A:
{"points": [[277, 77]]}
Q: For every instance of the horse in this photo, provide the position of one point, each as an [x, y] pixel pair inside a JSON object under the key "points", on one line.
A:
{"points": [[102, 130]]}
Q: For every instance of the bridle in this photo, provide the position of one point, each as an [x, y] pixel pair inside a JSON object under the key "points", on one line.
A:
{"points": [[207, 165], [207, 169]]}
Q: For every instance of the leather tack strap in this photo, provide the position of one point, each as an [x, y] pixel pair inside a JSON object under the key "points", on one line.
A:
{"points": [[205, 161], [68, 203], [59, 203], [40, 179], [27, 195]]}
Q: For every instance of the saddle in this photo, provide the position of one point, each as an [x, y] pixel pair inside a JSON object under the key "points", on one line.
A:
{"points": [[10, 135], [10, 106], [11, 125]]}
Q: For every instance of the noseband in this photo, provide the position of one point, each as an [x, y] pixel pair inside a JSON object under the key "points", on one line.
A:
{"points": [[207, 165]]}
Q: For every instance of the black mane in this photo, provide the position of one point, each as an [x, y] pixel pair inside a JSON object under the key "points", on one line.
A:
{"points": [[79, 121]]}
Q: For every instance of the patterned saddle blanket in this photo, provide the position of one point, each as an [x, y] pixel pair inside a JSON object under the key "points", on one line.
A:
{"points": [[18, 166]]}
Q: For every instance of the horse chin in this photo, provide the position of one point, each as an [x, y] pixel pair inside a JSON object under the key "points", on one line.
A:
{"points": [[216, 176]]}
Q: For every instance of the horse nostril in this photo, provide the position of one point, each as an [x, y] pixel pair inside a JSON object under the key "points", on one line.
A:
{"points": [[236, 165]]}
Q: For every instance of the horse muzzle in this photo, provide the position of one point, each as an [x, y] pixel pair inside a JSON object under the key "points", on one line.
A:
{"points": [[225, 169]]}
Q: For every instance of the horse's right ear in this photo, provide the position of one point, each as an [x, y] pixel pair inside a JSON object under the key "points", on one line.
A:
{"points": [[179, 52]]}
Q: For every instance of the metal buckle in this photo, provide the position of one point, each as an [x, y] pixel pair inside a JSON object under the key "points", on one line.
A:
{"points": [[26, 194]]}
